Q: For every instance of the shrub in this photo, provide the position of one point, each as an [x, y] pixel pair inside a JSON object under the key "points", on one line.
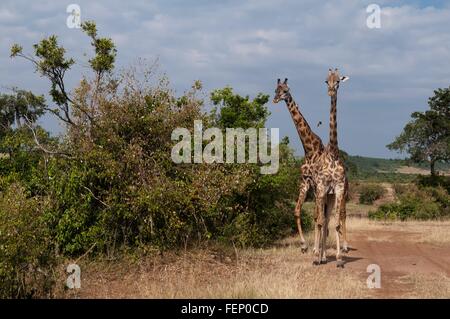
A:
{"points": [[434, 181], [267, 209], [110, 181], [121, 188], [369, 193], [26, 255], [402, 188], [353, 190], [111, 178], [423, 204]]}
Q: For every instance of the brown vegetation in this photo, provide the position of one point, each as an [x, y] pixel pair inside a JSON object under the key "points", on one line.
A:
{"points": [[414, 262]]}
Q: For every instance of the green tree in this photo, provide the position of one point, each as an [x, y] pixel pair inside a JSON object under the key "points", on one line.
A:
{"points": [[19, 107], [50, 61], [238, 111], [19, 111], [264, 208], [426, 138]]}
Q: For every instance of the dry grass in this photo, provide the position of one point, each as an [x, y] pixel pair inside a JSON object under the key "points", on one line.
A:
{"points": [[419, 171], [280, 271], [431, 232], [427, 286], [358, 210], [255, 273]]}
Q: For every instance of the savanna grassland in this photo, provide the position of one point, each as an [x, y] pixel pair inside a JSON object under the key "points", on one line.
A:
{"points": [[107, 195], [414, 257]]}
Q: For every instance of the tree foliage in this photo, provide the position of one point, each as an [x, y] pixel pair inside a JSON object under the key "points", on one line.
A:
{"points": [[233, 110], [109, 183], [50, 61], [427, 136], [19, 154]]}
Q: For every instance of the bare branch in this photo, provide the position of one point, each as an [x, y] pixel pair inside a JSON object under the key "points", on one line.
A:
{"points": [[28, 123], [92, 193]]}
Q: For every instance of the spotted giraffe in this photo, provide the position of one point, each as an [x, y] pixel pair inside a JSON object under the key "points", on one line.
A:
{"points": [[322, 171], [312, 146], [332, 187]]}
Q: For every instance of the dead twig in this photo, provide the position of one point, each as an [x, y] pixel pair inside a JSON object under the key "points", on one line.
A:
{"points": [[87, 252], [92, 193], [28, 123]]}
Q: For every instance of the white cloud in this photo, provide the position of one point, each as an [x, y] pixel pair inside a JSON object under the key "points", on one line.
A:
{"points": [[248, 44], [7, 16]]}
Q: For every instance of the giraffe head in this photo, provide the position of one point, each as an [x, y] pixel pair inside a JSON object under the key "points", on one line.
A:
{"points": [[333, 80], [281, 92]]}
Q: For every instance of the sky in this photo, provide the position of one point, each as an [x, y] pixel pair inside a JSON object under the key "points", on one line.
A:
{"points": [[247, 45]]}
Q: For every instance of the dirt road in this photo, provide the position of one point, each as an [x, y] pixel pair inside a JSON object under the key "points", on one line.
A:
{"points": [[399, 256], [414, 258]]}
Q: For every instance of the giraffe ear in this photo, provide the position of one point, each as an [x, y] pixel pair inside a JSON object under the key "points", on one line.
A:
{"points": [[344, 78]]}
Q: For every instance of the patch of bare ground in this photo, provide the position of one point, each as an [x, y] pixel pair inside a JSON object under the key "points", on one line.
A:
{"points": [[426, 286], [418, 171], [414, 258], [388, 196], [436, 233], [355, 209], [409, 254]]}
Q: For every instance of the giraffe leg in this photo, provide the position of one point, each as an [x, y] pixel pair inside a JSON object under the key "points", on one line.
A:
{"points": [[343, 216], [298, 210], [319, 219], [316, 238], [340, 205], [317, 242], [323, 242], [328, 211], [317, 229], [344, 236]]}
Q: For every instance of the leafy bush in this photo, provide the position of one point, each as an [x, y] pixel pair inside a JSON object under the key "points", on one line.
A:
{"points": [[418, 203], [267, 208], [26, 255], [434, 181], [402, 188], [110, 182], [121, 188], [368, 193]]}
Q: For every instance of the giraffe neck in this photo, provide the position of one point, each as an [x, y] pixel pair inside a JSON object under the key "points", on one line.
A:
{"points": [[311, 142], [333, 144]]}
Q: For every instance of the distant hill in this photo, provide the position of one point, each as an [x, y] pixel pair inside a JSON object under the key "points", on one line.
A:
{"points": [[370, 165]]}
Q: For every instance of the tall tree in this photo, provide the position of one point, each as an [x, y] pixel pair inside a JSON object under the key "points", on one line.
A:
{"points": [[19, 107], [426, 138], [19, 154], [234, 110], [50, 61]]}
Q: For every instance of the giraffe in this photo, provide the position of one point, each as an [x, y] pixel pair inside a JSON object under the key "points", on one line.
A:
{"points": [[312, 146], [333, 80], [331, 185]]}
